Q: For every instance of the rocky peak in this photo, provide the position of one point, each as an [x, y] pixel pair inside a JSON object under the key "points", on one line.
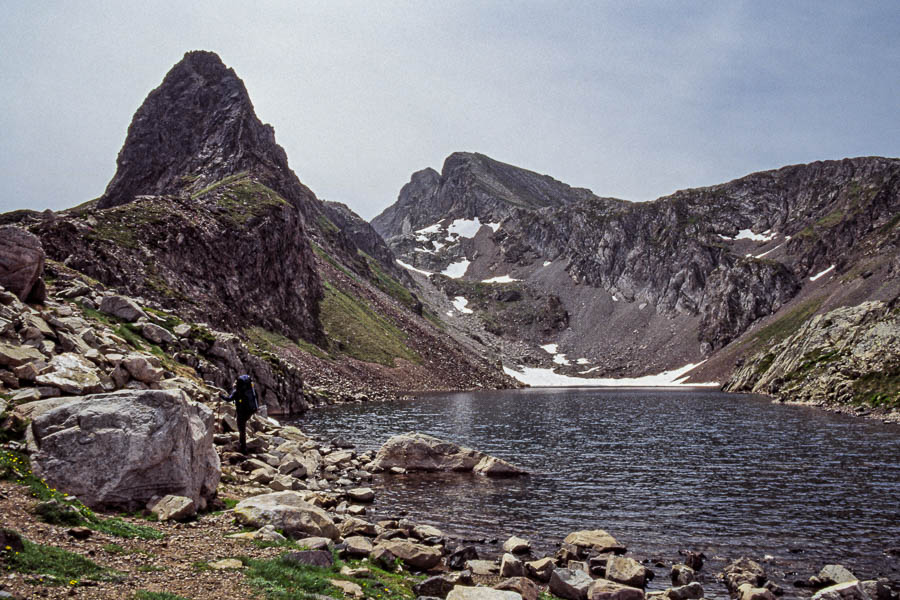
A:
{"points": [[195, 129]]}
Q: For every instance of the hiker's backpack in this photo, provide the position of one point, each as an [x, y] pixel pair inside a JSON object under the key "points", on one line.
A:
{"points": [[249, 402]]}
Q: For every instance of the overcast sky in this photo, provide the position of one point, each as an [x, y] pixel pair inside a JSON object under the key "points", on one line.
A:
{"points": [[630, 99]]}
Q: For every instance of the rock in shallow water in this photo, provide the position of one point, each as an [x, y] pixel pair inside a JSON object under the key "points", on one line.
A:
{"points": [[419, 452]]}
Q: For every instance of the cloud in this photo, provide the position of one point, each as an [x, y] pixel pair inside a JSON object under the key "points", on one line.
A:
{"points": [[630, 99]]}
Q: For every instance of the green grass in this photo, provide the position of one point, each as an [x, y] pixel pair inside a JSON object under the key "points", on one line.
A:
{"points": [[221, 182], [359, 332], [831, 219], [14, 466], [145, 595], [279, 579], [878, 389], [55, 565], [269, 342], [785, 326], [327, 258], [388, 284]]}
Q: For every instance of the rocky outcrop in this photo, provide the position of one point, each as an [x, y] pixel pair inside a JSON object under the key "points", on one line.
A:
{"points": [[420, 452], [21, 263], [849, 355], [162, 442]]}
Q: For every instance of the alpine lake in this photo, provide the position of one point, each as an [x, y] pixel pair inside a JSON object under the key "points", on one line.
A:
{"points": [[662, 469]]}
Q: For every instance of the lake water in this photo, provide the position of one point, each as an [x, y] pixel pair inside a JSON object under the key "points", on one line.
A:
{"points": [[662, 470]]}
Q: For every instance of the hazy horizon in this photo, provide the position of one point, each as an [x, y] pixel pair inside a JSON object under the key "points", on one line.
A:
{"points": [[630, 100]]}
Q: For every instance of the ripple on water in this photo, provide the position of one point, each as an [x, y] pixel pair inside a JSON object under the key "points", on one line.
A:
{"points": [[663, 470]]}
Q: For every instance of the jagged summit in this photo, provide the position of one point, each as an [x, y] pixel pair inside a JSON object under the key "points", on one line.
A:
{"points": [[472, 184], [197, 128]]}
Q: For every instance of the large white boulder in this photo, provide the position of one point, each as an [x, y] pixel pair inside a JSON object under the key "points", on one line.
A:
{"points": [[123, 448], [288, 511], [420, 452]]}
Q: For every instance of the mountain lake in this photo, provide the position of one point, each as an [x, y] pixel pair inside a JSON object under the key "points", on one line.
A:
{"points": [[662, 470]]}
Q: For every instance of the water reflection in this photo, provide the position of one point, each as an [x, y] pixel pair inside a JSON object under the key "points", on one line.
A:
{"points": [[661, 470]]}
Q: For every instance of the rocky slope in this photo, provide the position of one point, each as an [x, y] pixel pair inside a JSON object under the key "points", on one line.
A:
{"points": [[205, 220], [850, 355], [651, 286]]}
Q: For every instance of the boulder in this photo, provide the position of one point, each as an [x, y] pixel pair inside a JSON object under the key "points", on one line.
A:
{"points": [[571, 584], [415, 555], [420, 452], [691, 591], [424, 532], [123, 448], [747, 591], [596, 540], [483, 567], [315, 543], [524, 586], [461, 592], [541, 569], [496, 467], [358, 545], [603, 589], [516, 545], [14, 356], [354, 526], [263, 534], [226, 564], [743, 570], [458, 559], [382, 557], [121, 308], [21, 263], [436, 587], [878, 589], [174, 508], [361, 494], [832, 574], [311, 558], [348, 588], [287, 511], [157, 334], [849, 590], [510, 566], [682, 575], [71, 373], [626, 571], [140, 367]]}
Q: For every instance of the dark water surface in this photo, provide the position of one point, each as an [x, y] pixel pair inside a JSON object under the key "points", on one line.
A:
{"points": [[661, 469]]}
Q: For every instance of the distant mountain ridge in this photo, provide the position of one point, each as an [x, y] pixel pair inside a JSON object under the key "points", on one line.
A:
{"points": [[655, 285]]}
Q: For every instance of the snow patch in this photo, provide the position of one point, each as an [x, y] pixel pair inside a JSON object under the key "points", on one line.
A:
{"points": [[459, 303], [547, 263], [449, 313], [583, 361], [464, 227], [615, 299], [494, 226], [561, 359], [500, 279], [591, 370], [817, 275], [766, 252], [456, 270], [548, 378], [412, 268], [550, 348], [765, 236]]}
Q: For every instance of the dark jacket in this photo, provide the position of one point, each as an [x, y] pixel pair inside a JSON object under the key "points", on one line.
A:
{"points": [[244, 397]]}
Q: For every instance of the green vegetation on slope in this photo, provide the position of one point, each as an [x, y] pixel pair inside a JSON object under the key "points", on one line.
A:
{"points": [[54, 566], [359, 332], [783, 327]]}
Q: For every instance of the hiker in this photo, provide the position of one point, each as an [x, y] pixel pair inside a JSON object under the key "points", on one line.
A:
{"points": [[245, 404]]}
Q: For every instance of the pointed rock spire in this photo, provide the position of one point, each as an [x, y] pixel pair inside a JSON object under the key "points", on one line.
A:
{"points": [[197, 128]]}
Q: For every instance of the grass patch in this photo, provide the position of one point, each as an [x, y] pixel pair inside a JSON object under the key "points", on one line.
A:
{"points": [[359, 332], [149, 569], [145, 595], [15, 467], [327, 258], [831, 219], [787, 325], [280, 579], [221, 182], [878, 389], [388, 284], [269, 342], [55, 565]]}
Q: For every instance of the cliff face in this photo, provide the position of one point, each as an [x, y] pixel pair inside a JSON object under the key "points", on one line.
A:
{"points": [[673, 280], [850, 355]]}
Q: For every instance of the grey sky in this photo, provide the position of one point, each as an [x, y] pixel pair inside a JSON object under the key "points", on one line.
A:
{"points": [[630, 99]]}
